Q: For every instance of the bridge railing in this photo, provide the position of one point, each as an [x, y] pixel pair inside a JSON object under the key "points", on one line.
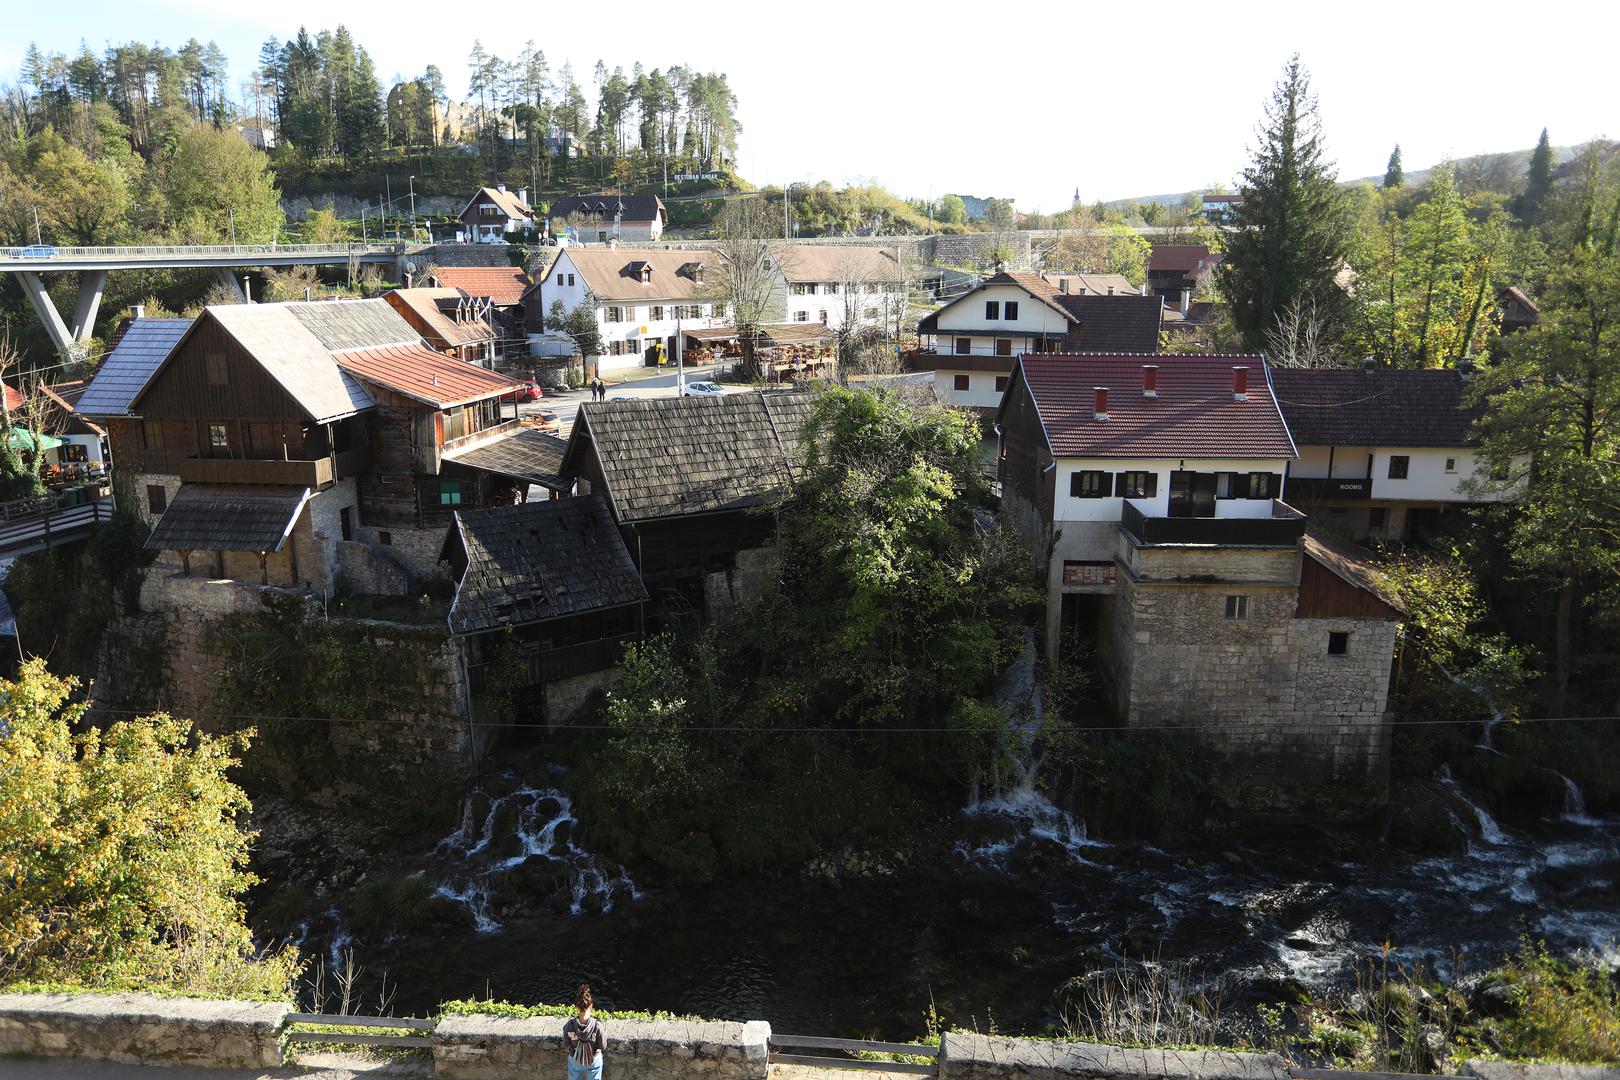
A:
{"points": [[37, 252]]}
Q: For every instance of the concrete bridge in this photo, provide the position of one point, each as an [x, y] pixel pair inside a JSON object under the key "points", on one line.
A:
{"points": [[94, 263]]}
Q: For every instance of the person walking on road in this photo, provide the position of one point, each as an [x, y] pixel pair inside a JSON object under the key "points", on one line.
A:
{"points": [[583, 1037]]}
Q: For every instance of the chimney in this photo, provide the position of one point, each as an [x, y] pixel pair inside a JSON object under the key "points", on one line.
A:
{"points": [[1063, 285], [501, 188], [1465, 371], [407, 279], [1186, 300], [523, 196], [1110, 290], [1144, 288], [1150, 380], [1099, 403], [137, 311], [1369, 364], [1240, 383]]}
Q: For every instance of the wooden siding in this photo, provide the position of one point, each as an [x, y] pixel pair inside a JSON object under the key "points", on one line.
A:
{"points": [[181, 389], [388, 490], [1325, 595], [1025, 456]]}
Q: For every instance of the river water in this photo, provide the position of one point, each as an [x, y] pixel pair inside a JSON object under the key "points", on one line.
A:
{"points": [[987, 924]]}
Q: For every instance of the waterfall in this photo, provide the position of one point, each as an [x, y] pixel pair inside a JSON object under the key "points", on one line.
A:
{"points": [[498, 834], [1487, 737], [1575, 804], [1017, 798], [1489, 830]]}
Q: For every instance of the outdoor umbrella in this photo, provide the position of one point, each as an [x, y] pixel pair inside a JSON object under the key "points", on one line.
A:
{"points": [[23, 439]]}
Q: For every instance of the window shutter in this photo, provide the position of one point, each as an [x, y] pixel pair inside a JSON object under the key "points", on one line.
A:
{"points": [[1276, 485], [1075, 480], [1119, 484], [1152, 486], [1240, 485]]}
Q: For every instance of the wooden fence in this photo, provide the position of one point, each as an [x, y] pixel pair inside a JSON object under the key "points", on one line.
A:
{"points": [[850, 1048], [29, 523], [348, 1038]]}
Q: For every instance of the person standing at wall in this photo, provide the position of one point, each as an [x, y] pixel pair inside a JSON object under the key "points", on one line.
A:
{"points": [[584, 1039]]}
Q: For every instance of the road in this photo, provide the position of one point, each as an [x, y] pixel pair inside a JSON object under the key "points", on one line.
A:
{"points": [[309, 1067], [565, 403]]}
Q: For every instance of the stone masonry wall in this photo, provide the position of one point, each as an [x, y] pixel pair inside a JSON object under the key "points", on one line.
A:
{"points": [[754, 574], [143, 1029], [497, 1048], [983, 1057]]}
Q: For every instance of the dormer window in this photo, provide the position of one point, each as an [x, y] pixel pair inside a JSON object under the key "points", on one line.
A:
{"points": [[646, 274], [693, 270]]}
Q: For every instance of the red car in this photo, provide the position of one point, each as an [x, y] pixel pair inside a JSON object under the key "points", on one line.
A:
{"points": [[526, 392]]}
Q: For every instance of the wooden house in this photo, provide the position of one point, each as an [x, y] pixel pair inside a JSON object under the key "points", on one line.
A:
{"points": [[494, 213], [689, 482], [450, 321], [558, 576]]}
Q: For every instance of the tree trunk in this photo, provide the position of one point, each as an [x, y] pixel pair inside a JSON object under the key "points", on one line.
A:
{"points": [[1566, 607], [750, 358]]}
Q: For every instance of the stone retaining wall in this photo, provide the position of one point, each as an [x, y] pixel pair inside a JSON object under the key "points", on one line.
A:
{"points": [[496, 1048], [982, 1057], [143, 1028]]}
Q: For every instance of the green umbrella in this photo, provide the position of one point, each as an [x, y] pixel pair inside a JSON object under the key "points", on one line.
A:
{"points": [[23, 439]]}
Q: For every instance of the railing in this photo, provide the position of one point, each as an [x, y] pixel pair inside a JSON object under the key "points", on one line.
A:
{"points": [[358, 1038], [1282, 528], [294, 473], [44, 252], [462, 442], [50, 522], [851, 1047], [1318, 487]]}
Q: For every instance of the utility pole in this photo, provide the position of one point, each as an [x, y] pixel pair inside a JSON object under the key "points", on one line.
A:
{"points": [[785, 189], [231, 213], [413, 209], [37, 239]]}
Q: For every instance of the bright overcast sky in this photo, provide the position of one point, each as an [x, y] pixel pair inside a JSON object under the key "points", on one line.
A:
{"points": [[1028, 100]]}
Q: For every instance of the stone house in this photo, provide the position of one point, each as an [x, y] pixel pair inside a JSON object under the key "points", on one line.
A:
{"points": [[1151, 493], [301, 444], [689, 481], [970, 343], [1383, 453]]}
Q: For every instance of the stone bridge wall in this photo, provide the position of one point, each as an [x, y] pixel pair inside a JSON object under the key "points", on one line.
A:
{"points": [[143, 1029], [497, 1048]]}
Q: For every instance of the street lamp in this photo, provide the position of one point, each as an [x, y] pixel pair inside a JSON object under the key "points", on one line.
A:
{"points": [[412, 183]]}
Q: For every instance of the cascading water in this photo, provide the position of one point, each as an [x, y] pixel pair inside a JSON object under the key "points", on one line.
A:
{"points": [[1489, 830], [1575, 804], [1488, 736], [523, 828], [1017, 799]]}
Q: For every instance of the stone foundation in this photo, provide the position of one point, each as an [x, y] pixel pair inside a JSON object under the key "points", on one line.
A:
{"points": [[754, 574], [567, 698], [496, 1048], [143, 1029]]}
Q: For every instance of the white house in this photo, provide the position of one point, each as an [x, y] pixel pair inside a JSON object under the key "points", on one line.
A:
{"points": [[641, 297], [494, 213], [605, 216], [971, 342], [1382, 452], [836, 284]]}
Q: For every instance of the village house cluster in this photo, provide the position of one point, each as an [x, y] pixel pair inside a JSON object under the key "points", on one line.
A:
{"points": [[1192, 513]]}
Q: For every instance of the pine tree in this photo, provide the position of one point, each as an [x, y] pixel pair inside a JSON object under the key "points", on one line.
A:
{"points": [[1291, 230], [1538, 181], [1394, 175]]}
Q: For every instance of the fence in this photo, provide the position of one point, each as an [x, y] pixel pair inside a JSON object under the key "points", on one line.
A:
{"points": [[46, 252], [346, 1038], [27, 522]]}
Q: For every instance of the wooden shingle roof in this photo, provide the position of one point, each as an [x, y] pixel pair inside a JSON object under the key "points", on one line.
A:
{"points": [[527, 454], [354, 324], [538, 561], [228, 517], [1382, 407], [667, 457]]}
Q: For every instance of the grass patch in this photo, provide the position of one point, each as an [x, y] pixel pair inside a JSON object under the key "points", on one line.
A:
{"points": [[511, 1011]]}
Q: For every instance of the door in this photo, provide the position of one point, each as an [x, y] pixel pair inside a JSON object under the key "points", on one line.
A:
{"points": [[1181, 485], [1203, 495], [346, 522]]}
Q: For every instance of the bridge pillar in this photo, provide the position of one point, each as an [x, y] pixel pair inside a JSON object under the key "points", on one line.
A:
{"points": [[59, 334], [230, 281], [91, 285]]}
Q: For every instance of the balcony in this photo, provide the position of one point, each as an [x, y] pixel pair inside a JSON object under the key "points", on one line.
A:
{"points": [[1323, 489], [1282, 528], [316, 473]]}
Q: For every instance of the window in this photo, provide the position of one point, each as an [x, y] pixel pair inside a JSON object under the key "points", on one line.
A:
{"points": [[613, 314], [1226, 485], [718, 311], [964, 346], [871, 313], [961, 382], [1010, 310], [215, 362], [832, 288], [1003, 346], [798, 289], [1136, 485], [219, 439], [1398, 466], [1451, 464], [560, 278], [1262, 486], [1088, 484], [152, 434], [657, 314], [450, 493], [1338, 643], [823, 316], [385, 538], [1001, 383], [157, 498], [1237, 607], [801, 316], [570, 279], [992, 309], [810, 289], [1377, 519]]}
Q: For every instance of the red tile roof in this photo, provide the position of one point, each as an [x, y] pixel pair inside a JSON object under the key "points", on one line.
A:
{"points": [[418, 372], [1193, 416], [503, 285], [14, 398], [1189, 260]]}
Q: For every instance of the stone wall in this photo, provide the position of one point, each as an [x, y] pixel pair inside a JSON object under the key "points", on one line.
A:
{"points": [[144, 1029], [497, 1048], [299, 207], [984, 1057], [373, 571], [755, 573], [417, 550], [567, 698]]}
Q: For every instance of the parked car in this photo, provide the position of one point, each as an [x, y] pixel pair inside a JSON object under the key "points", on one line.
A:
{"points": [[526, 392], [621, 397], [35, 251], [702, 389], [548, 422]]}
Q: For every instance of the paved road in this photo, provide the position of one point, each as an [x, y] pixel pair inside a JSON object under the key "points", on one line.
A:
{"points": [[312, 1067], [565, 403]]}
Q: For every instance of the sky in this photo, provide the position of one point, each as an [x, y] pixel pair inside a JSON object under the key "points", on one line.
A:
{"points": [[1031, 102]]}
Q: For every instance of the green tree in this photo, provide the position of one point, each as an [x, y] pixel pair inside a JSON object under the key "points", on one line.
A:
{"points": [[1537, 181], [951, 210], [121, 850], [1000, 213], [1553, 424], [1394, 175], [213, 180], [578, 325], [1290, 234]]}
